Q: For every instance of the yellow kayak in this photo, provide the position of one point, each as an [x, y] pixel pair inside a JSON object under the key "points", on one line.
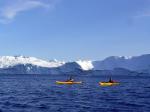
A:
{"points": [[108, 83], [68, 82]]}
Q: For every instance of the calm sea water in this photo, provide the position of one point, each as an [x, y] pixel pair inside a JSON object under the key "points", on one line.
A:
{"points": [[39, 93]]}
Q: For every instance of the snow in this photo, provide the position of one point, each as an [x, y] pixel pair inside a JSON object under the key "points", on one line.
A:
{"points": [[7, 61], [85, 65], [126, 57], [110, 63]]}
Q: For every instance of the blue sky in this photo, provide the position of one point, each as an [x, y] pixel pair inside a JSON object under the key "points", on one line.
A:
{"points": [[74, 29]]}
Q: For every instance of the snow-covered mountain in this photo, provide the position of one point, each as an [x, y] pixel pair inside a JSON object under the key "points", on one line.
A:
{"points": [[32, 65], [9, 61], [136, 63]]}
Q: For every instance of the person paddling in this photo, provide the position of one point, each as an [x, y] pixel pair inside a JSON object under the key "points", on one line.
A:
{"points": [[110, 80], [70, 80]]}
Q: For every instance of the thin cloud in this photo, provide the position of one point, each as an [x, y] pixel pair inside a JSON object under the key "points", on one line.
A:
{"points": [[10, 10], [144, 10], [143, 14]]}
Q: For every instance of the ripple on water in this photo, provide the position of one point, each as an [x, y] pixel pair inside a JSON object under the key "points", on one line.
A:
{"points": [[41, 94]]}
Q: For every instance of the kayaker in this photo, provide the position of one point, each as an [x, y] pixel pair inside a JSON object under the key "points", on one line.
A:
{"points": [[110, 80], [70, 80]]}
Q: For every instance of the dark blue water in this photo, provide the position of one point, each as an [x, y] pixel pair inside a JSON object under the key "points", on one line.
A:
{"points": [[39, 93]]}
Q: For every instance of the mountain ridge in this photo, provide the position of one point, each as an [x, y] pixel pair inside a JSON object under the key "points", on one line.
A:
{"points": [[32, 65]]}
